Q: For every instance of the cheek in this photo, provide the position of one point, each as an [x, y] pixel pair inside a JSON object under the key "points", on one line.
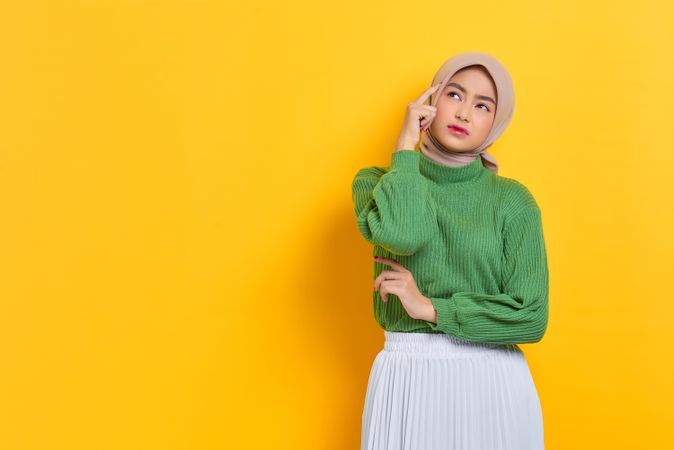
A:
{"points": [[484, 125], [443, 111]]}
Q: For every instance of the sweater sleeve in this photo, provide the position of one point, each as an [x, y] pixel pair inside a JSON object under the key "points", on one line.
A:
{"points": [[393, 209], [519, 314]]}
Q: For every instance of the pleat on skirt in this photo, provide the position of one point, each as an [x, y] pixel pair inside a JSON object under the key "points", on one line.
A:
{"points": [[431, 391]]}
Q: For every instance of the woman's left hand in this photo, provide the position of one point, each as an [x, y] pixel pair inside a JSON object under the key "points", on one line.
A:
{"points": [[401, 283]]}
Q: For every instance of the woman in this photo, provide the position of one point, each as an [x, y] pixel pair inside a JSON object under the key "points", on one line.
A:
{"points": [[461, 274]]}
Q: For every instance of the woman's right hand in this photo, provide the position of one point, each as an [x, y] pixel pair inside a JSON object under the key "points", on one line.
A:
{"points": [[418, 117]]}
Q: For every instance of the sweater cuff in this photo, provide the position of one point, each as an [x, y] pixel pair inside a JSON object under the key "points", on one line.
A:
{"points": [[447, 318], [405, 161]]}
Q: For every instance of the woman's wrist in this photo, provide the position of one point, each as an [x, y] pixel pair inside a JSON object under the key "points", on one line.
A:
{"points": [[428, 313], [406, 144]]}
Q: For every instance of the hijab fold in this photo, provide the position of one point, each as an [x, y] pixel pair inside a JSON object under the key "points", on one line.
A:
{"points": [[433, 149]]}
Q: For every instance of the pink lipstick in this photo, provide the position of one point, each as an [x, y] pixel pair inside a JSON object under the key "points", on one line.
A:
{"points": [[459, 131]]}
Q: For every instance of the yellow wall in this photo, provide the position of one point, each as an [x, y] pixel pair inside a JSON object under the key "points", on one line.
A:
{"points": [[180, 264]]}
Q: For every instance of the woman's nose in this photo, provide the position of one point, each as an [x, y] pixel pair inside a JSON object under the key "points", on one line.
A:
{"points": [[463, 113]]}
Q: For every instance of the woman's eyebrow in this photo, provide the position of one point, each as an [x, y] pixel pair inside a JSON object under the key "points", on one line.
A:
{"points": [[462, 89]]}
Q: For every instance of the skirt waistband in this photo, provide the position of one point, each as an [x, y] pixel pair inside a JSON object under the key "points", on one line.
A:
{"points": [[440, 344]]}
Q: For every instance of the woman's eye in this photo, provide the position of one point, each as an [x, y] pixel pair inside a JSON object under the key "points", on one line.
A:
{"points": [[449, 94]]}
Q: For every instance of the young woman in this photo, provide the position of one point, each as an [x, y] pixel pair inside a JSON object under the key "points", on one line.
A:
{"points": [[461, 274]]}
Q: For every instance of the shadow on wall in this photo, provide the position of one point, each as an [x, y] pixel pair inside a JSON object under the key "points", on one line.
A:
{"points": [[337, 308]]}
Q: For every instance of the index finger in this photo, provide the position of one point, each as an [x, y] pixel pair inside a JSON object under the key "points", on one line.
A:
{"points": [[390, 262], [427, 93]]}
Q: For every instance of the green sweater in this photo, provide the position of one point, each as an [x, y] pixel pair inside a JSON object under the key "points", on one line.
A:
{"points": [[472, 239]]}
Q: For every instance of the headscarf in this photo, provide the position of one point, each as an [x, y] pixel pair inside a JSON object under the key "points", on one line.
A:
{"points": [[505, 100]]}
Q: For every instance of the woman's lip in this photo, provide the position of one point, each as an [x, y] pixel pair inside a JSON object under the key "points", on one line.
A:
{"points": [[457, 131]]}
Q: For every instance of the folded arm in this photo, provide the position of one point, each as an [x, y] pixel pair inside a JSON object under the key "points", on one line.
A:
{"points": [[519, 314]]}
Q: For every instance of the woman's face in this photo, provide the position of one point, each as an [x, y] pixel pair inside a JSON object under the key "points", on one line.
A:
{"points": [[468, 101]]}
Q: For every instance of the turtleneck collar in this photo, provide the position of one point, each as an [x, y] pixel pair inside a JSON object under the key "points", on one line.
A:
{"points": [[452, 175]]}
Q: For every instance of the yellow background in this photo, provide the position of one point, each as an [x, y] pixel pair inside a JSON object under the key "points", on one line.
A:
{"points": [[181, 267]]}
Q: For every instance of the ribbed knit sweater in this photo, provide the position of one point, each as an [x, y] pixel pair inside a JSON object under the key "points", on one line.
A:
{"points": [[472, 239]]}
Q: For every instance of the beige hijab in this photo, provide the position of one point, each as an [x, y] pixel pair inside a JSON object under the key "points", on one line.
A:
{"points": [[505, 99]]}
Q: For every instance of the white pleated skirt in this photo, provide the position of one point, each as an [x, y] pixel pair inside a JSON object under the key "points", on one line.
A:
{"points": [[437, 392]]}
